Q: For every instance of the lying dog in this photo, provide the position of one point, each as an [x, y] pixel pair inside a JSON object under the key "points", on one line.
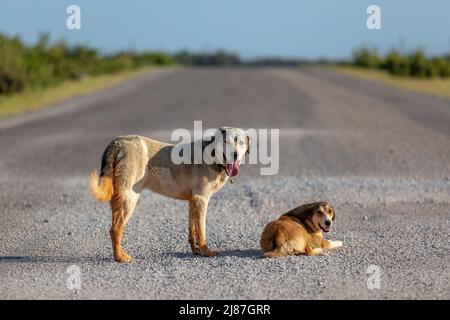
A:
{"points": [[133, 163], [299, 231]]}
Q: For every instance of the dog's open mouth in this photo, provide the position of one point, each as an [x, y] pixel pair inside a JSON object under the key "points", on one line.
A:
{"points": [[232, 168], [325, 229]]}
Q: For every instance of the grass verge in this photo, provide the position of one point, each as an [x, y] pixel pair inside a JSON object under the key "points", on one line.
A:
{"points": [[35, 99], [436, 86]]}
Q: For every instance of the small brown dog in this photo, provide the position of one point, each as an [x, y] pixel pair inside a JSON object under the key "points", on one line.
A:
{"points": [[299, 231]]}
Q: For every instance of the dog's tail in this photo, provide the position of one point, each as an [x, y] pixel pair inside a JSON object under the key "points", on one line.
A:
{"points": [[102, 187], [277, 249], [277, 253]]}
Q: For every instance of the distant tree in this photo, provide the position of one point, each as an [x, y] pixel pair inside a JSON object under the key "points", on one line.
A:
{"points": [[396, 64], [442, 67], [13, 77], [366, 58], [421, 67], [218, 58]]}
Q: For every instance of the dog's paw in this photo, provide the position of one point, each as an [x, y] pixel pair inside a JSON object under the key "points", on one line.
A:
{"points": [[195, 249], [208, 253], [124, 257], [337, 244]]}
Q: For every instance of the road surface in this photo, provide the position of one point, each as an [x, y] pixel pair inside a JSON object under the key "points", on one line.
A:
{"points": [[380, 155]]}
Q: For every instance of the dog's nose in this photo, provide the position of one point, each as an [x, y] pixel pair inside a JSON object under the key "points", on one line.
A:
{"points": [[328, 223], [235, 155]]}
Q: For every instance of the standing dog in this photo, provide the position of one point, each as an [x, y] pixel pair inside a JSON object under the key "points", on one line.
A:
{"points": [[133, 163], [300, 231]]}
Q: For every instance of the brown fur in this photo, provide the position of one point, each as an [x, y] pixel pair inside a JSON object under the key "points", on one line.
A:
{"points": [[133, 163], [299, 232]]}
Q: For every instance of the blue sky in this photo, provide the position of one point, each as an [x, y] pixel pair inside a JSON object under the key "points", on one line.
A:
{"points": [[252, 28]]}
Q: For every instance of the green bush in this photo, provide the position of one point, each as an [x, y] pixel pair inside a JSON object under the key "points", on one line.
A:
{"points": [[157, 58], [13, 77], [442, 67], [46, 64], [366, 58], [421, 67], [11, 82], [414, 65], [218, 58], [396, 64]]}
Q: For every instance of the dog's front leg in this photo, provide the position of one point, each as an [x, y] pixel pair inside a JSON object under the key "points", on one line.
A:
{"points": [[199, 206], [328, 244], [310, 251], [192, 228]]}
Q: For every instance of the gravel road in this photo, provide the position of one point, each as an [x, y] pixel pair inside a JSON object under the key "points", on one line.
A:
{"points": [[380, 155]]}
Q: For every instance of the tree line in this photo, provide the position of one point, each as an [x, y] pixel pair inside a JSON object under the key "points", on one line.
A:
{"points": [[44, 64], [415, 64]]}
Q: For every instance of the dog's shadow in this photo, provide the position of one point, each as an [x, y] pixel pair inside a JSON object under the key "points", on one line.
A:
{"points": [[51, 259], [242, 254]]}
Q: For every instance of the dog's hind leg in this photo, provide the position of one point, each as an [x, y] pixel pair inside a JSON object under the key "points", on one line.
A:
{"points": [[122, 205]]}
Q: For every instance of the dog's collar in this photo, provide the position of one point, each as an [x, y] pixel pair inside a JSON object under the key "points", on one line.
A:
{"points": [[221, 168]]}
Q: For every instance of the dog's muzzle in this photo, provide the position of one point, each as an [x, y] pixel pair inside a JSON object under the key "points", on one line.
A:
{"points": [[232, 168]]}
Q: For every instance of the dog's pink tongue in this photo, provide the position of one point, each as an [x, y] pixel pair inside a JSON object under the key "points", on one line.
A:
{"points": [[233, 168]]}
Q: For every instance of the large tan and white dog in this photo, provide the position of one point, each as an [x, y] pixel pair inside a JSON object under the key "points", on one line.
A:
{"points": [[133, 163]]}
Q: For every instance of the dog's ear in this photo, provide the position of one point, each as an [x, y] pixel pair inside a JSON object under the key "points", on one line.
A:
{"points": [[304, 211], [329, 208], [332, 210], [249, 144]]}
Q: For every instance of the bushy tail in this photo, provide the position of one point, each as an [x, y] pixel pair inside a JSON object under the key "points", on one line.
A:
{"points": [[274, 254], [101, 187], [272, 247]]}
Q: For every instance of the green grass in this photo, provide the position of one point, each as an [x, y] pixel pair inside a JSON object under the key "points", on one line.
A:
{"points": [[35, 99], [434, 86]]}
